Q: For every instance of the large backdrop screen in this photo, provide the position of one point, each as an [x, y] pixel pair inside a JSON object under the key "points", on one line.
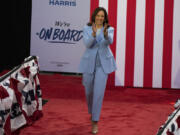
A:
{"points": [[56, 33]]}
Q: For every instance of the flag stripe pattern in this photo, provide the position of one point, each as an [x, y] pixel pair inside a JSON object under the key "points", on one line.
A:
{"points": [[130, 42], [158, 43], [112, 12], [167, 44], [139, 42], [148, 43]]}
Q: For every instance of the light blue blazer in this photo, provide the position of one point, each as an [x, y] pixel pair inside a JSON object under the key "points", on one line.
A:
{"points": [[98, 45]]}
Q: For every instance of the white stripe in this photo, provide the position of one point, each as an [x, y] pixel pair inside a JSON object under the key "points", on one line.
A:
{"points": [[158, 44], [139, 43], [104, 3], [120, 43], [175, 80]]}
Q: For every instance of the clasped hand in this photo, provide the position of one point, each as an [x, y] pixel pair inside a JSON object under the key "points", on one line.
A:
{"points": [[94, 28]]}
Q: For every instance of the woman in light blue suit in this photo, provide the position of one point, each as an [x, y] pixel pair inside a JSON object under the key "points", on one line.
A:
{"points": [[97, 62]]}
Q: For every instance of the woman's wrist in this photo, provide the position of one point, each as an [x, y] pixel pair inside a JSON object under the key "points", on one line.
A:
{"points": [[94, 34], [106, 35]]}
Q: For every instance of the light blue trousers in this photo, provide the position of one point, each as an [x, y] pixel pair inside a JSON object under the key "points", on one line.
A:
{"points": [[95, 85]]}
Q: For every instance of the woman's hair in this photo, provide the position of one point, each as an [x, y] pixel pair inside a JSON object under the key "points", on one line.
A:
{"points": [[95, 13]]}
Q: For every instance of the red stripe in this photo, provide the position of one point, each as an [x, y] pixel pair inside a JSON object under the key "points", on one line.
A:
{"points": [[112, 14], [148, 43], [167, 43], [130, 42], [94, 5]]}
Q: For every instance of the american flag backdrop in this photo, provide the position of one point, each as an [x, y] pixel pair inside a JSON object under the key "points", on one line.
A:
{"points": [[146, 42]]}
